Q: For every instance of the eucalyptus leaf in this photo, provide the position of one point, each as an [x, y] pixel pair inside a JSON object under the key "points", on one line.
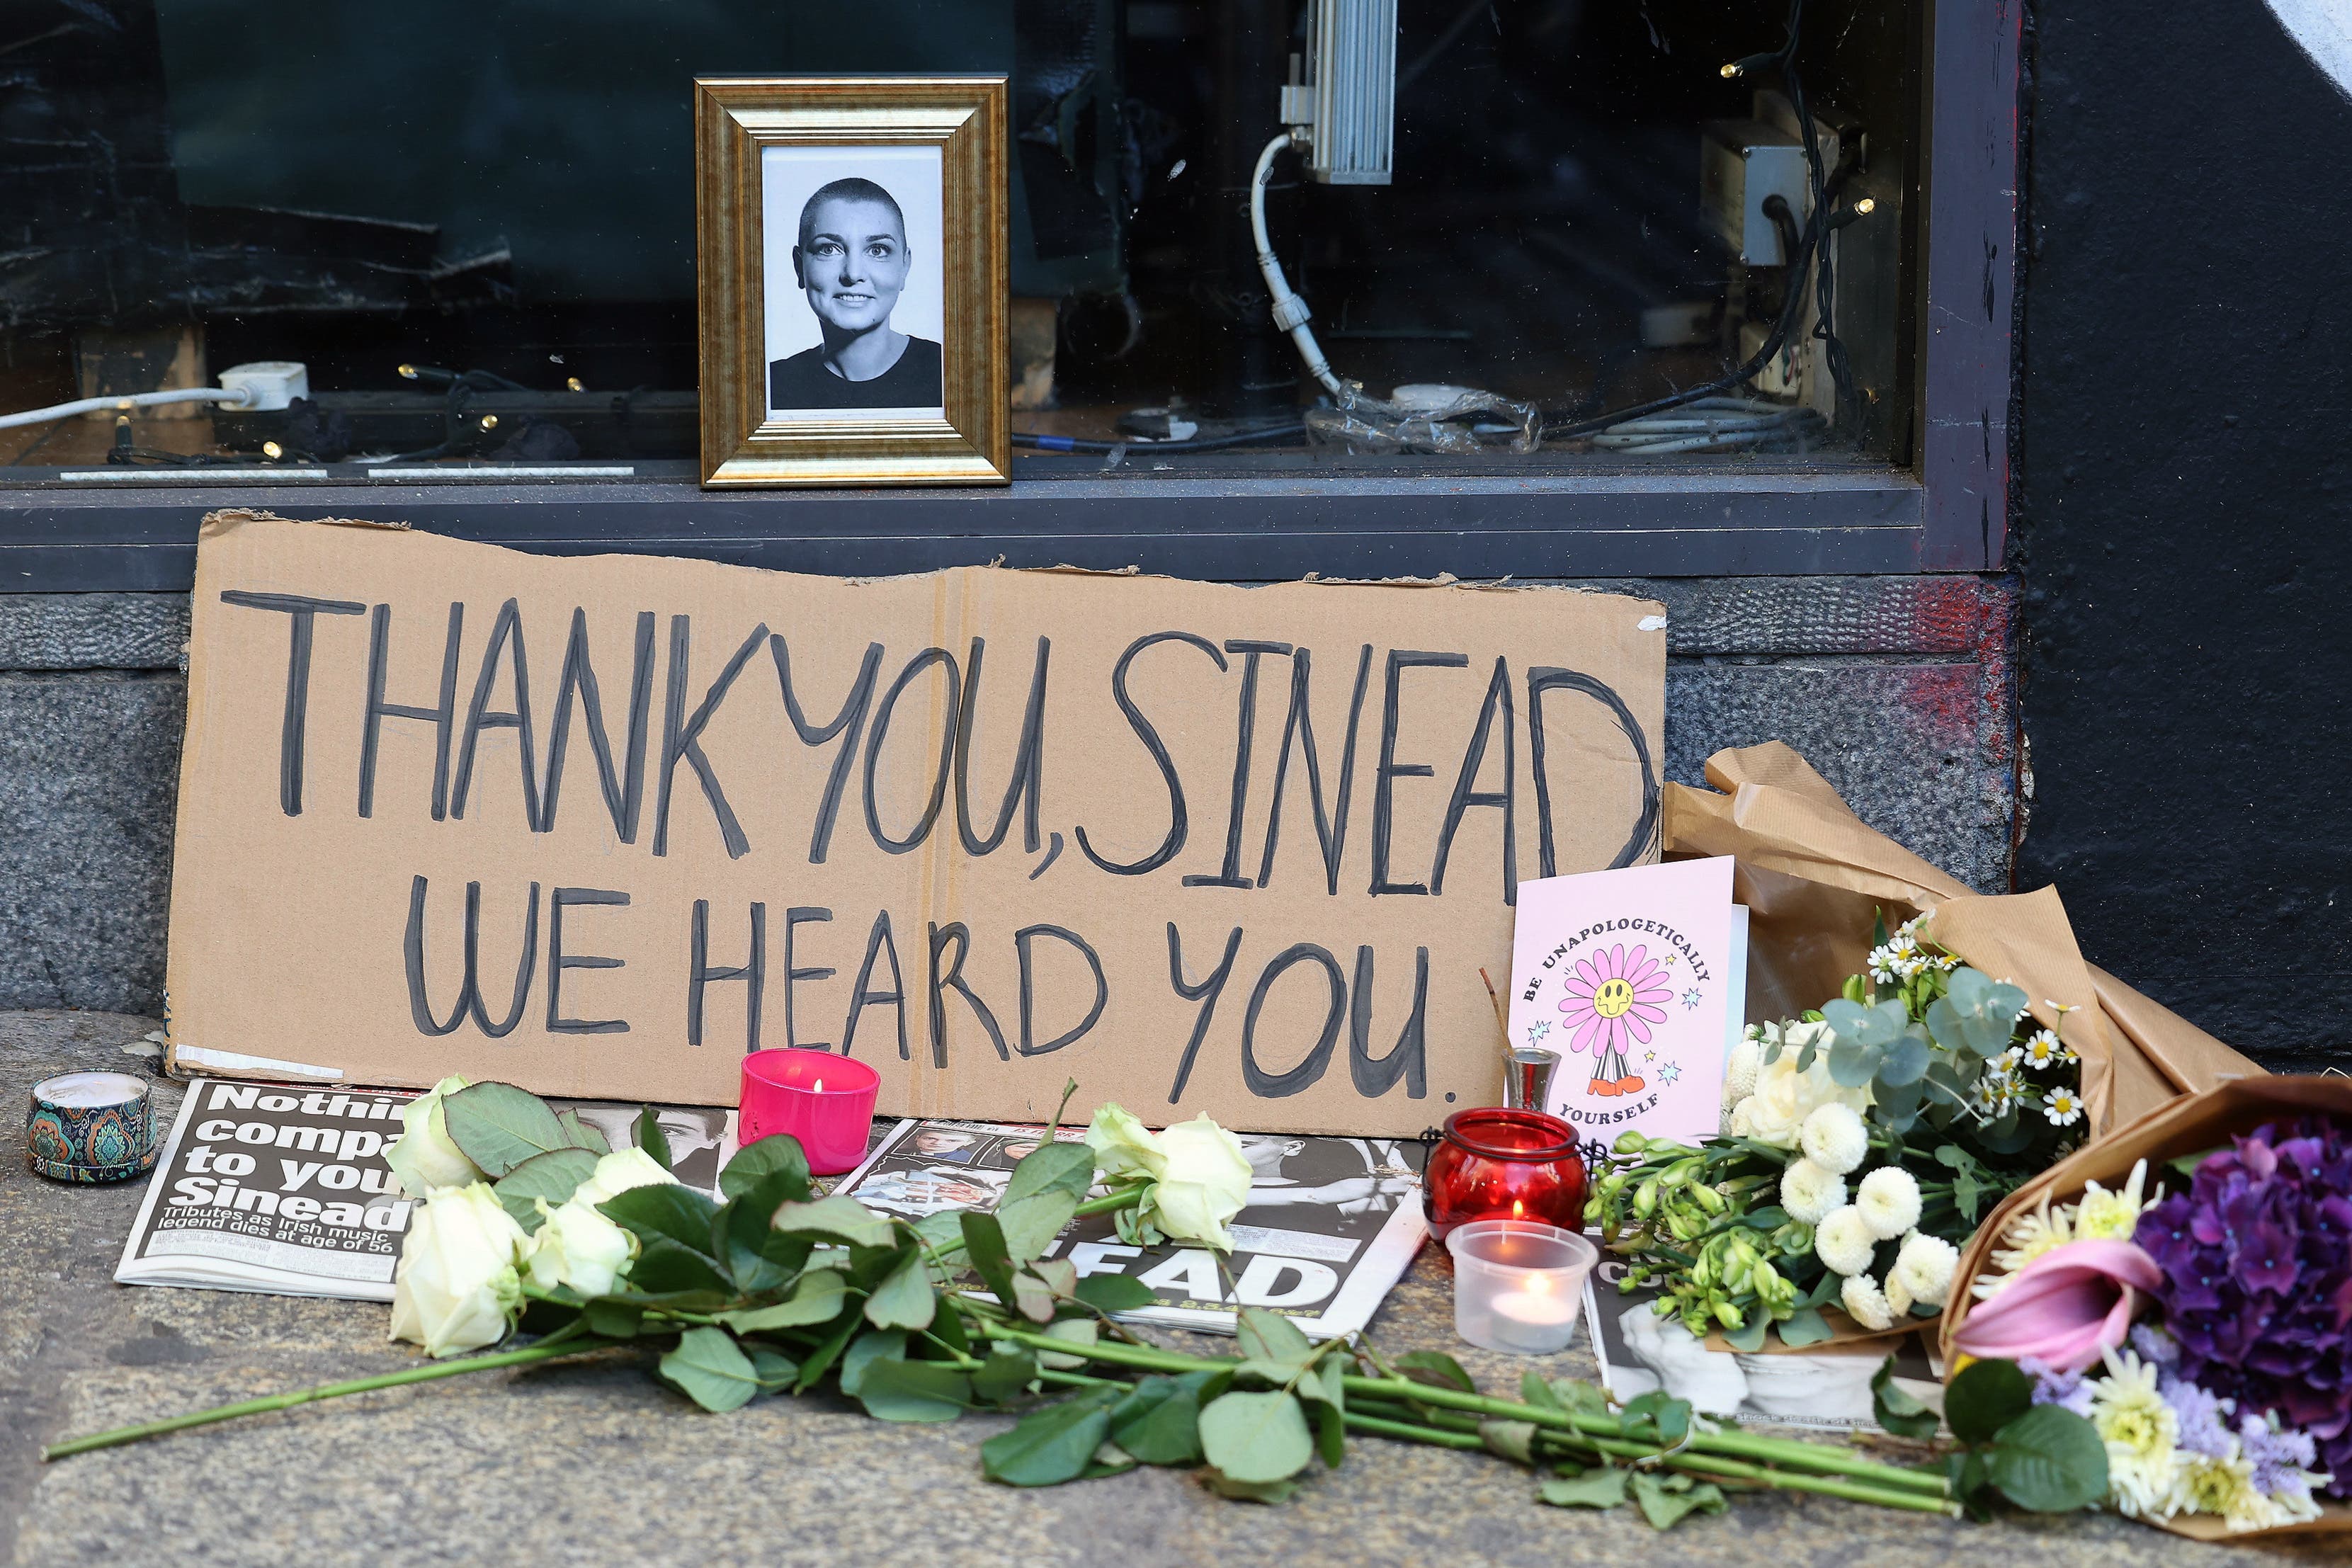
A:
{"points": [[708, 1368], [1256, 1438], [553, 1175], [1984, 1398], [836, 1217], [1595, 1489], [1031, 1223], [762, 1160], [1051, 1167], [1852, 1064], [1874, 1027], [2049, 1460], [651, 1138], [816, 1298], [913, 1390], [1749, 1337], [1805, 1328], [1896, 1409], [499, 1126], [905, 1299], [1053, 1446], [1907, 1060], [1160, 1421], [872, 1345]]}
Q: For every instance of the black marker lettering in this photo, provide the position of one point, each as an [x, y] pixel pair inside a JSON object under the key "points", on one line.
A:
{"points": [[625, 789], [951, 979], [1281, 1085], [701, 971], [1177, 824], [1498, 699], [1021, 940], [1374, 1077], [305, 613], [796, 916], [881, 731], [559, 961], [877, 941], [1230, 874], [1330, 826], [1206, 993], [443, 715], [1543, 679], [506, 632], [469, 992], [1027, 784], [683, 740], [1390, 770], [848, 724]]}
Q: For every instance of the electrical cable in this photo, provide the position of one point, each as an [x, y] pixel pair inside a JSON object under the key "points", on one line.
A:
{"points": [[243, 397], [1270, 432], [1289, 310]]}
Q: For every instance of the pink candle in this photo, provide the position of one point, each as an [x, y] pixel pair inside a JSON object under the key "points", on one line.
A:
{"points": [[824, 1100]]}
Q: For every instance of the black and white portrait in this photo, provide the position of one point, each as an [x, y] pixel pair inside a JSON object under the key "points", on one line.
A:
{"points": [[856, 296]]}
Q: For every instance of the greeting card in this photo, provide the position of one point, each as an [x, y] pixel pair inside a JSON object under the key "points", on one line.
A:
{"points": [[1635, 977]]}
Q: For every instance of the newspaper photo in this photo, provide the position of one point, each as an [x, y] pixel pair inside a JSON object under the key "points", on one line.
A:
{"points": [[283, 1189], [1826, 1390], [1330, 1225]]}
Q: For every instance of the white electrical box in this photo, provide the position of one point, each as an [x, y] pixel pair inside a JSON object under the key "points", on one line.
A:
{"points": [[1347, 103], [1741, 163]]}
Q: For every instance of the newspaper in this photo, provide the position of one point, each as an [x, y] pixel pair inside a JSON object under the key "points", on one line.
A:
{"points": [[283, 1189], [1824, 1389], [1331, 1224]]}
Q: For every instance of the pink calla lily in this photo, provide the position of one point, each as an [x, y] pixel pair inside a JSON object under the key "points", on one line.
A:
{"points": [[2065, 1307]]}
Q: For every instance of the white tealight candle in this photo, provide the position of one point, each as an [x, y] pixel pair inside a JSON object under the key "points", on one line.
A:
{"points": [[1535, 1319]]}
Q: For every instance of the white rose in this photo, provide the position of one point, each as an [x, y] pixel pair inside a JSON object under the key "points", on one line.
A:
{"points": [[576, 1245], [1889, 1201], [423, 1156], [1843, 1242], [1785, 1096], [616, 1173], [1123, 1146], [1204, 1183], [457, 1289], [1811, 1194]]}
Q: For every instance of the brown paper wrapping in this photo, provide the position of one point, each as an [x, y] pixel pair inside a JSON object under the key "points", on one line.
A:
{"points": [[2186, 1124], [1815, 878]]}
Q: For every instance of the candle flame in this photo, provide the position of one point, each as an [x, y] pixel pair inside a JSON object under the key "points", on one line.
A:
{"points": [[1539, 1285], [1518, 1209], [820, 1087]]}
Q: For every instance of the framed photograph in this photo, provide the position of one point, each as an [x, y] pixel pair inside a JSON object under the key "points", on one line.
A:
{"points": [[852, 280]]}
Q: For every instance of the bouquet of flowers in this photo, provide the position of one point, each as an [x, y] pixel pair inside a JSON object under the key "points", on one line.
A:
{"points": [[2197, 1311], [1862, 1144]]}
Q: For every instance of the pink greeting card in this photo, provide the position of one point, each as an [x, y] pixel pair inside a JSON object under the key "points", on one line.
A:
{"points": [[1635, 977]]}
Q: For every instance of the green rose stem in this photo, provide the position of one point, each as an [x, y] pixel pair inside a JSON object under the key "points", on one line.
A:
{"points": [[1708, 1447], [1125, 1198], [543, 1350]]}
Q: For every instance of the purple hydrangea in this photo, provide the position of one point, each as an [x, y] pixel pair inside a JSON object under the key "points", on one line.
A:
{"points": [[2257, 1257], [2056, 1385]]}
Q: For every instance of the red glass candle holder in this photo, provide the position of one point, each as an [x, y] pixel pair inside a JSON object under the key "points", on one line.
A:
{"points": [[1504, 1165], [824, 1100]]}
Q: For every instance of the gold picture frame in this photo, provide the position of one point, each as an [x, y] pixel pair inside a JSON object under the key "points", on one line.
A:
{"points": [[758, 143]]}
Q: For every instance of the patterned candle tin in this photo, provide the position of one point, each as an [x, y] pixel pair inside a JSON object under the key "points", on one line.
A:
{"points": [[91, 1127]]}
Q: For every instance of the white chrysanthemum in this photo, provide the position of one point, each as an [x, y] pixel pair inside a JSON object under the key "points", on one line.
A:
{"points": [[1809, 1194], [1865, 1303], [1834, 1138], [1898, 1295], [1889, 1201], [2103, 1215], [2032, 1233], [1926, 1265], [1842, 1241], [2221, 1485], [2142, 1434], [1743, 1121], [2063, 1107], [1741, 1067]]}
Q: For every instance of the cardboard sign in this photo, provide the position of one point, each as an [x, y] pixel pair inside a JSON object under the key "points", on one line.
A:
{"points": [[599, 825]]}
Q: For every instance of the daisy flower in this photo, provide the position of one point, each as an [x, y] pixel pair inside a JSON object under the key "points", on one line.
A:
{"points": [[2063, 1107], [2041, 1051]]}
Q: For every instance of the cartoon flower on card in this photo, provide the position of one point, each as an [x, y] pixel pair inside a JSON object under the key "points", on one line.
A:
{"points": [[1611, 1000]]}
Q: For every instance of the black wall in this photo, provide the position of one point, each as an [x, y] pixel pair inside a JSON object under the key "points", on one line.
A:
{"points": [[2184, 512]]}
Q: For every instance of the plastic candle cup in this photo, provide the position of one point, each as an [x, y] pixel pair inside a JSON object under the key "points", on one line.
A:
{"points": [[824, 1100], [1518, 1284]]}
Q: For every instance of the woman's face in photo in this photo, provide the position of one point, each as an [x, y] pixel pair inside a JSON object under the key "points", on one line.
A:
{"points": [[853, 263]]}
